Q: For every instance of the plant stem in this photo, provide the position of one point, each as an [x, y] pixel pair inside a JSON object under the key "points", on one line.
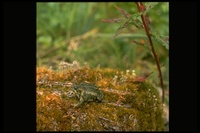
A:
{"points": [[152, 49]]}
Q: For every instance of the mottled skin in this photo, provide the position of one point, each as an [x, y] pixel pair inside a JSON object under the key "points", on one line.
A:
{"points": [[87, 92]]}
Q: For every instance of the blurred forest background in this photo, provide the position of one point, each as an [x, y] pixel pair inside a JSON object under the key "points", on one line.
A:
{"points": [[74, 32]]}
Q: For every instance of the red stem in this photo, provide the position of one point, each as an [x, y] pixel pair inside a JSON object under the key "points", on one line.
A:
{"points": [[153, 50]]}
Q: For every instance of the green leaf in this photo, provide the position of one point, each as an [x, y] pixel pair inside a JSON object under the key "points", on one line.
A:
{"points": [[160, 39], [137, 23], [119, 30], [149, 6], [136, 15]]}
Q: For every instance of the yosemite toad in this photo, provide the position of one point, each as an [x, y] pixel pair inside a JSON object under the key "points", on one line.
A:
{"points": [[87, 92]]}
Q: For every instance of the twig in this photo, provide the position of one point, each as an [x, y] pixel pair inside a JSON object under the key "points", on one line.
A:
{"points": [[152, 49]]}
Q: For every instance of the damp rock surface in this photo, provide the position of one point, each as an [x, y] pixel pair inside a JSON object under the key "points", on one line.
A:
{"points": [[114, 102]]}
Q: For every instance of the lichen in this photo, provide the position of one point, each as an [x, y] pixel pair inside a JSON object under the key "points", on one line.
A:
{"points": [[126, 106]]}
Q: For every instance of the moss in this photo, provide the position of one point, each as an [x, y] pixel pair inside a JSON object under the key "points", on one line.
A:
{"points": [[126, 106]]}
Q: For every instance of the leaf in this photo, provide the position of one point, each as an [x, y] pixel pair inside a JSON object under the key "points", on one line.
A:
{"points": [[121, 28], [149, 6], [118, 31], [142, 7], [126, 24], [113, 20], [137, 42], [141, 79], [123, 12], [137, 23], [160, 39], [136, 15]]}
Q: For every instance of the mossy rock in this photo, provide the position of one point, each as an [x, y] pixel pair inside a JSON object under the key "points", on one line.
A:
{"points": [[126, 106]]}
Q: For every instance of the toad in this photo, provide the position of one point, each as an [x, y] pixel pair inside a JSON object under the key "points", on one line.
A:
{"points": [[87, 92]]}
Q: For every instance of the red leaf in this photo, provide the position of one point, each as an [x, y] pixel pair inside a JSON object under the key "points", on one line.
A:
{"points": [[141, 79], [123, 12], [113, 20], [142, 7]]}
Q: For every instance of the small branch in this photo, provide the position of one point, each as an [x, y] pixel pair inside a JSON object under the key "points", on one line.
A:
{"points": [[152, 48]]}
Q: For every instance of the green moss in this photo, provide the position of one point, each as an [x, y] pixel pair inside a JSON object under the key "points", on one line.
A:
{"points": [[126, 106]]}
